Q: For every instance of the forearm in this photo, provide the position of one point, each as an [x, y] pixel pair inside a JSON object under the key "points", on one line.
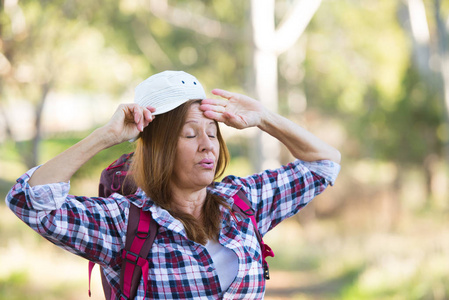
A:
{"points": [[301, 143], [126, 123], [71, 222], [62, 167]]}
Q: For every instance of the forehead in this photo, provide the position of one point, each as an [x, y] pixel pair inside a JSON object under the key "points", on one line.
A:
{"points": [[196, 115]]}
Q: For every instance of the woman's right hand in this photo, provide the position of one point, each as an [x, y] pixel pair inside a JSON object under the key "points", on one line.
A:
{"points": [[128, 121]]}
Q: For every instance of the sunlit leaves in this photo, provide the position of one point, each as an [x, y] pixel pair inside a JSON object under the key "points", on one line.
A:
{"points": [[359, 64]]}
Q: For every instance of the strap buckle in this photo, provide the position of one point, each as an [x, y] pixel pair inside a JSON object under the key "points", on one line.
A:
{"points": [[123, 297], [143, 235], [131, 257], [266, 272]]}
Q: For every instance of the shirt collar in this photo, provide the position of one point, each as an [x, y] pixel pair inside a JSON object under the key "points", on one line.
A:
{"points": [[163, 217], [224, 190]]}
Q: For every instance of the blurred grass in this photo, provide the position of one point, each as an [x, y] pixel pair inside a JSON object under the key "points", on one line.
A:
{"points": [[409, 263], [328, 258]]}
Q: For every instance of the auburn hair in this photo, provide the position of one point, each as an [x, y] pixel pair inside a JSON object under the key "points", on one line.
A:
{"points": [[152, 169]]}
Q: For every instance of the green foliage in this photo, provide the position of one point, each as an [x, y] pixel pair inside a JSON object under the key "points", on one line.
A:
{"points": [[353, 48], [406, 132], [93, 167], [17, 286], [414, 289], [358, 68], [14, 282]]}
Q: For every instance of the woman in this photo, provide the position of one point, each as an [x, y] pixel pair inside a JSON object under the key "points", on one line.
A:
{"points": [[201, 251]]}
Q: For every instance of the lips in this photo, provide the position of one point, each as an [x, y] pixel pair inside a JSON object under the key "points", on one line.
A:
{"points": [[207, 163]]}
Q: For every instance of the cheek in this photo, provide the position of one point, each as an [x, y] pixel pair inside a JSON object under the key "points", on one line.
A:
{"points": [[179, 153], [217, 149], [184, 152]]}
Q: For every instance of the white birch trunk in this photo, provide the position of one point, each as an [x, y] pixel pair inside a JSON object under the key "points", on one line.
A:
{"points": [[265, 78], [269, 43]]}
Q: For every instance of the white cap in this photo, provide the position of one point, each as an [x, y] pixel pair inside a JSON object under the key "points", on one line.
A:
{"points": [[167, 90]]}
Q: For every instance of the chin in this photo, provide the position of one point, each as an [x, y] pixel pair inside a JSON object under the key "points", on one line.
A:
{"points": [[207, 181]]}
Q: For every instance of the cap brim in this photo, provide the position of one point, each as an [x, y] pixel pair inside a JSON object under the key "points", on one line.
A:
{"points": [[168, 107]]}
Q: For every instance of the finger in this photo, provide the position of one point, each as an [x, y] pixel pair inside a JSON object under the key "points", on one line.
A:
{"points": [[146, 123], [221, 102], [223, 93], [148, 117], [127, 111], [151, 108], [210, 107], [148, 114], [215, 116], [138, 117], [235, 121]]}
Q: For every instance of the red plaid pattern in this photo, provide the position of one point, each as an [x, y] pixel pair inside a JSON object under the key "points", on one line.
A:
{"points": [[95, 228]]}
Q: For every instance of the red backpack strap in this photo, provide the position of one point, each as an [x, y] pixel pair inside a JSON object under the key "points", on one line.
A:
{"points": [[112, 180], [106, 287], [243, 206], [140, 236]]}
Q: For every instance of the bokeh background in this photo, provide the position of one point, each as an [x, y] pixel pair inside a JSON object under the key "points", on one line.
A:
{"points": [[369, 77]]}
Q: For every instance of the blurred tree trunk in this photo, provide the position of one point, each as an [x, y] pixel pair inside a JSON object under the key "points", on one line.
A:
{"points": [[420, 34], [265, 74], [269, 43], [28, 153], [432, 61], [5, 67], [45, 89], [435, 73], [443, 56], [8, 131]]}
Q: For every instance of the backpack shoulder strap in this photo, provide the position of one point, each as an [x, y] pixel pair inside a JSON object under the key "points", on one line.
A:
{"points": [[140, 236], [243, 207]]}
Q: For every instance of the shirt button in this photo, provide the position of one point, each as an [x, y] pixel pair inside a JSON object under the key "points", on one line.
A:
{"points": [[210, 269]]}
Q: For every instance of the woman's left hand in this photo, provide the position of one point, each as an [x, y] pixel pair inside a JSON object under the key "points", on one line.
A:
{"points": [[236, 110], [241, 111]]}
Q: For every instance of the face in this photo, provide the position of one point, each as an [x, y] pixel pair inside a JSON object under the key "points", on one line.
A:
{"points": [[197, 152]]}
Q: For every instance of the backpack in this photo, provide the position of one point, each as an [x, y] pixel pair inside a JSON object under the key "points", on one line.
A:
{"points": [[142, 230]]}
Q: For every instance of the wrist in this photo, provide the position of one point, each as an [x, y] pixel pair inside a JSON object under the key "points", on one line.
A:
{"points": [[267, 119], [104, 137]]}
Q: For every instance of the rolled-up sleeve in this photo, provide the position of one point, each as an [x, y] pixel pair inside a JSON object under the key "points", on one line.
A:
{"points": [[41, 197], [326, 169], [90, 227], [281, 193]]}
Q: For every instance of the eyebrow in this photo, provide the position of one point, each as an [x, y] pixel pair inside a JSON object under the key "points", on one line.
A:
{"points": [[196, 122]]}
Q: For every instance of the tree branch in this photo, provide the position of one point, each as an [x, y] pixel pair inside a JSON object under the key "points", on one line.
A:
{"points": [[186, 19], [150, 48], [420, 35], [8, 131], [293, 26]]}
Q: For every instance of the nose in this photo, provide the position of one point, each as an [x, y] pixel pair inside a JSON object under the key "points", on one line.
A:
{"points": [[206, 143]]}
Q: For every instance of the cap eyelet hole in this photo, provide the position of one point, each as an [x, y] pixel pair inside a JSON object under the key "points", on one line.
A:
{"points": [[194, 82]]}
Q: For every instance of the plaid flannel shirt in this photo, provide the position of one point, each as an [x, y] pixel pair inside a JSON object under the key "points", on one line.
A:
{"points": [[95, 228]]}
